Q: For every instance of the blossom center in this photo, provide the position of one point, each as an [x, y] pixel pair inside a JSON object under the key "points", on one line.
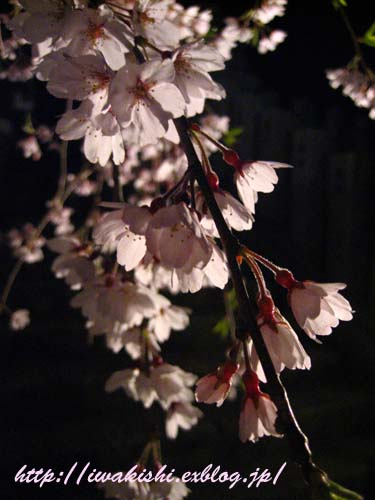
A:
{"points": [[141, 90], [95, 32]]}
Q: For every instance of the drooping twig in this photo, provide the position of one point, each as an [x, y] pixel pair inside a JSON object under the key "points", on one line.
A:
{"points": [[248, 327]]}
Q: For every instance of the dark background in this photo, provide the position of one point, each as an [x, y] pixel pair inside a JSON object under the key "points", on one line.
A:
{"points": [[319, 222]]}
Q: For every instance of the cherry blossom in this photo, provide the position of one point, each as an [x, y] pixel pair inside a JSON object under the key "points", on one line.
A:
{"points": [[269, 43], [144, 99], [234, 213], [230, 36], [60, 217], [30, 147], [258, 414], [253, 177], [355, 84], [164, 383], [192, 64], [175, 237], [181, 415], [191, 22], [128, 69], [19, 319], [150, 21], [27, 244], [97, 30], [215, 126], [269, 9], [42, 20], [133, 340], [89, 76], [318, 307], [73, 263], [174, 490], [107, 299], [282, 344], [168, 317], [102, 134], [113, 234], [215, 387]]}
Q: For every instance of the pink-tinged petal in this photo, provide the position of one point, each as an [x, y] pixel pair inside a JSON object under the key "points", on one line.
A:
{"points": [[170, 98], [112, 54], [131, 250], [248, 424]]}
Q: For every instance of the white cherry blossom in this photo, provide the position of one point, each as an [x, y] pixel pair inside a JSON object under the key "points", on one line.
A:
{"points": [[164, 383], [73, 263], [215, 387], [88, 76], [150, 21], [144, 99], [30, 147], [135, 383], [181, 415], [193, 63], [42, 20], [102, 135], [269, 42], [175, 237], [283, 346], [97, 30], [234, 213], [168, 317], [269, 9], [258, 414], [19, 319], [107, 300], [114, 234], [257, 419], [256, 177], [318, 307]]}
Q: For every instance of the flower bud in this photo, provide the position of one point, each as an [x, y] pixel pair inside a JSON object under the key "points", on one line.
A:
{"points": [[286, 279], [213, 181], [231, 157]]}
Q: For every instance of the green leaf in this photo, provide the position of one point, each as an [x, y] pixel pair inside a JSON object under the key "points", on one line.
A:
{"points": [[231, 137], [28, 126], [337, 4], [222, 328], [231, 298], [369, 37], [338, 492]]}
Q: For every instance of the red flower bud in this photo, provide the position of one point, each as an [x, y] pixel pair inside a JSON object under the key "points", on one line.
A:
{"points": [[227, 370], [231, 157], [251, 381], [213, 181], [267, 308], [286, 279]]}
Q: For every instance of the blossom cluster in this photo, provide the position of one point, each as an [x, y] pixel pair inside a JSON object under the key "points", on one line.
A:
{"points": [[356, 84], [128, 70]]}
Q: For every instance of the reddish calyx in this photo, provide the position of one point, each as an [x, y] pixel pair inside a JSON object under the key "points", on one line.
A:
{"points": [[213, 181], [231, 158], [157, 361], [267, 310], [195, 127], [251, 381], [227, 370], [286, 279]]}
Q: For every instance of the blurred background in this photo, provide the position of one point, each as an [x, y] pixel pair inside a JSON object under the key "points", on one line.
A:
{"points": [[319, 222]]}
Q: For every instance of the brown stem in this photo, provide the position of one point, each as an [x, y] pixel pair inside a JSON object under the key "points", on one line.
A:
{"points": [[298, 443], [300, 451]]}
